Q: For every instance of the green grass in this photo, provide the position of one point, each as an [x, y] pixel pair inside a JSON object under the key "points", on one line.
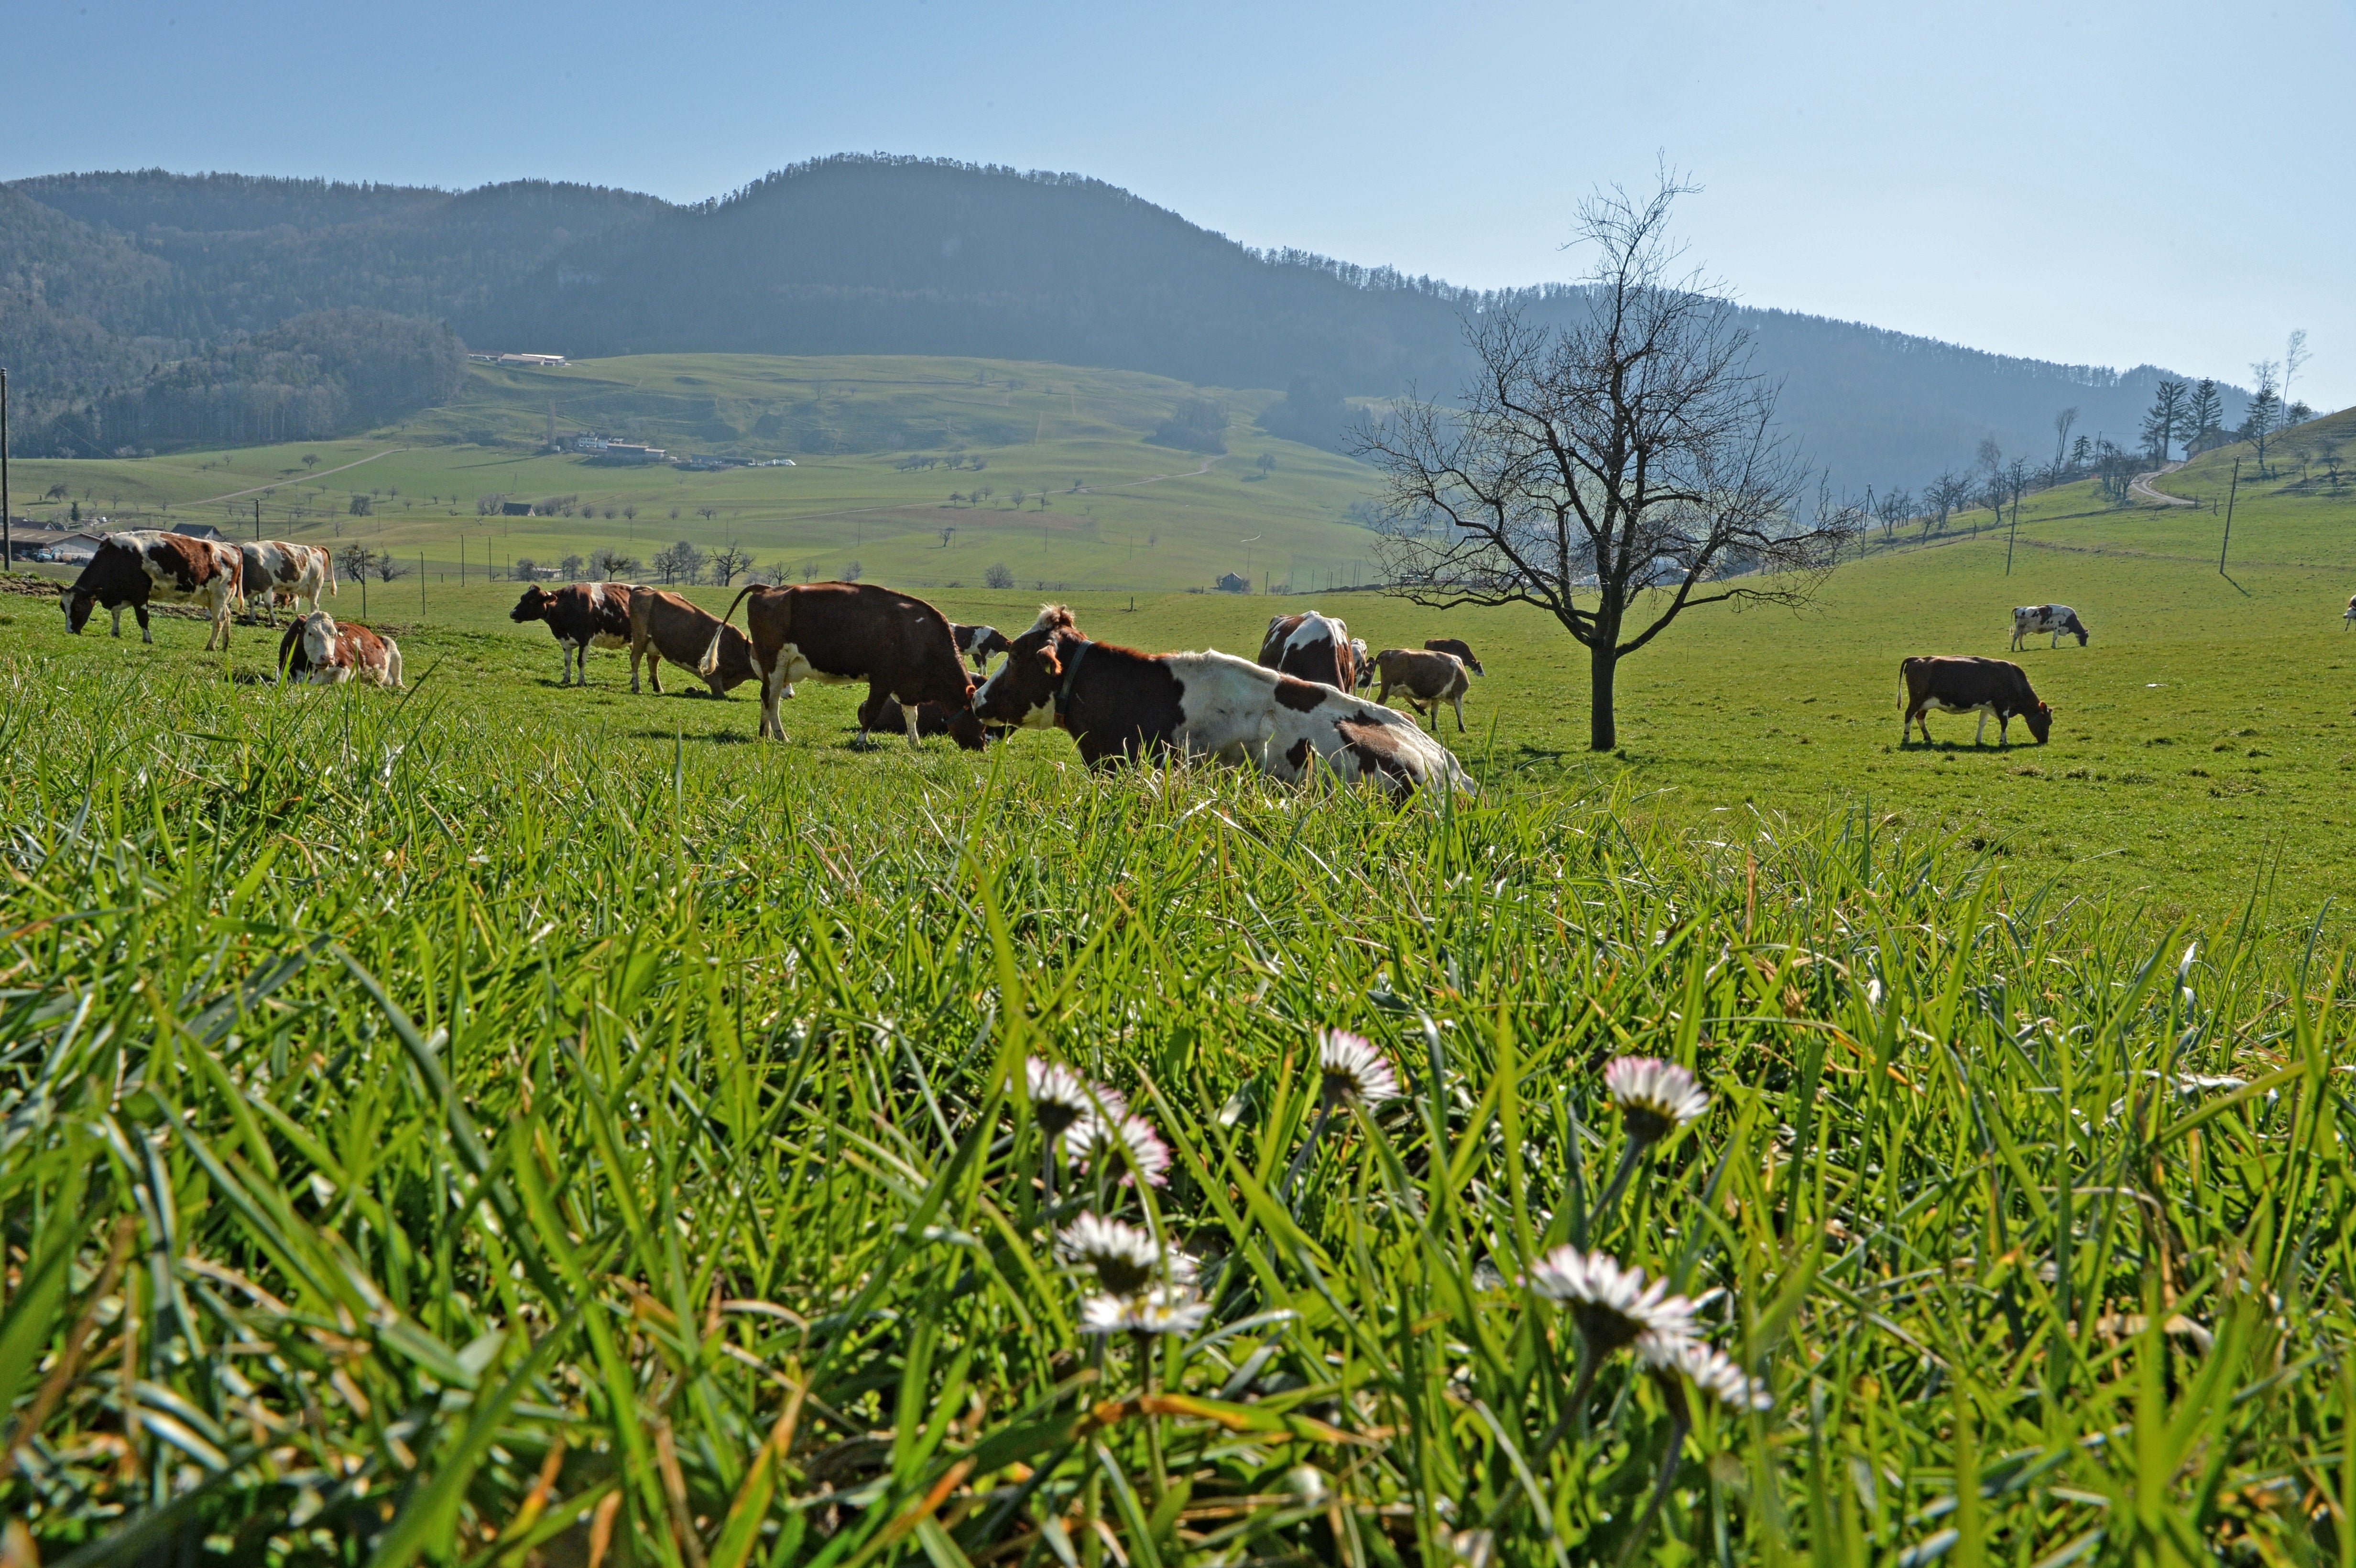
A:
{"points": [[431, 1126], [1142, 517], [435, 1127]]}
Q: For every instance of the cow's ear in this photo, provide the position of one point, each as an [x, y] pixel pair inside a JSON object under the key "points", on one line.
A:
{"points": [[1048, 662]]}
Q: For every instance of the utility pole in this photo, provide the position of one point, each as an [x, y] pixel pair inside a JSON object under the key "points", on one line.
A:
{"points": [[257, 519], [2230, 494], [420, 585]]}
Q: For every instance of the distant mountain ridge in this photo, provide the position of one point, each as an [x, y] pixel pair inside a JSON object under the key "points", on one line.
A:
{"points": [[108, 277]]}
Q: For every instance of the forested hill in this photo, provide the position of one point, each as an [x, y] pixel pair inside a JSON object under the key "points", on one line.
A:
{"points": [[875, 255]]}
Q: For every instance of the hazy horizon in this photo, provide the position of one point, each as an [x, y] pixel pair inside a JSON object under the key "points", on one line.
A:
{"points": [[2113, 186]]}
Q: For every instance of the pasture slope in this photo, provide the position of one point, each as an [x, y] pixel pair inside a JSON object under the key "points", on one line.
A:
{"points": [[1118, 511], [515, 1126]]}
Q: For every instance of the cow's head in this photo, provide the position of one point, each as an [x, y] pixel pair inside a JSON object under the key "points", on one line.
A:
{"points": [[2040, 721], [77, 604], [1023, 690], [1362, 665], [533, 606], [318, 637]]}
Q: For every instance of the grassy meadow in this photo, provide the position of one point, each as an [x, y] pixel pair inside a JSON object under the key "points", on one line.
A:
{"points": [[505, 1125], [1118, 512]]}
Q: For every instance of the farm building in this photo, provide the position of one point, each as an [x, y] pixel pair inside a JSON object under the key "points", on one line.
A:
{"points": [[1231, 583]]}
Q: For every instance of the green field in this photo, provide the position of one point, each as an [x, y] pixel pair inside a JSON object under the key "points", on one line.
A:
{"points": [[1119, 512], [516, 1126]]}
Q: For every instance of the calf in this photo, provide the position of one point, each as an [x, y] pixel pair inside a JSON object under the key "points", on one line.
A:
{"points": [[1310, 646], [1427, 679], [836, 632], [2029, 620], [1456, 646], [980, 644], [284, 573], [580, 616], [1970, 685], [1118, 704], [957, 723], [318, 651], [666, 626], [134, 567]]}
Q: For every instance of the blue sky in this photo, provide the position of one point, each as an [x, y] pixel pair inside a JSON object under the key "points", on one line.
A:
{"points": [[2104, 184]]}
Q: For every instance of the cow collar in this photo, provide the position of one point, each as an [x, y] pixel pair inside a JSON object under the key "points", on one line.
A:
{"points": [[1071, 673]]}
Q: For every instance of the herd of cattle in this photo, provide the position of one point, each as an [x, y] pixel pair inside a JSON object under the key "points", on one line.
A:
{"points": [[1293, 710], [1294, 707]]}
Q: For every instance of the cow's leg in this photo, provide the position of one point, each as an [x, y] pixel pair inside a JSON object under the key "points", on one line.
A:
{"points": [[773, 681], [1460, 715], [908, 712], [117, 613], [1979, 736], [146, 634]]}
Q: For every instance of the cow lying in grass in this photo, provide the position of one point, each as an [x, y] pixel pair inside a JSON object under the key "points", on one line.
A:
{"points": [[1121, 705], [320, 650]]}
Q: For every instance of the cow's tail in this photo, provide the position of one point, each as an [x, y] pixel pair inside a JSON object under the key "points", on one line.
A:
{"points": [[392, 664], [330, 557], [708, 665], [1901, 684]]}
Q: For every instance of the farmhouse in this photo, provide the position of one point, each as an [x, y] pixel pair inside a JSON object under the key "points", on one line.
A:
{"points": [[517, 510], [1231, 583], [538, 362]]}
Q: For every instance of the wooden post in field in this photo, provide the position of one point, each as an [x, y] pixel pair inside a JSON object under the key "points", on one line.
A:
{"points": [[420, 585], [2228, 539], [7, 538], [257, 519]]}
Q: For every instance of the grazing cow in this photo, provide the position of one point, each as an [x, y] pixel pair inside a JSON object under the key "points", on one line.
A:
{"points": [[836, 632], [1310, 646], [134, 567], [317, 650], [666, 626], [1121, 705], [2029, 620], [1427, 677], [1455, 646], [284, 573], [2350, 618], [580, 616], [932, 719], [980, 644], [1962, 685]]}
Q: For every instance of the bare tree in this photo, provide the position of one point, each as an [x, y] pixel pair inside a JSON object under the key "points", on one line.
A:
{"points": [[1894, 508], [2294, 355], [2062, 424], [729, 562], [1632, 456]]}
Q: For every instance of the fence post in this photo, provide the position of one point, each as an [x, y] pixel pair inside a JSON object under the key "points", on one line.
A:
{"points": [[2228, 539], [420, 585]]}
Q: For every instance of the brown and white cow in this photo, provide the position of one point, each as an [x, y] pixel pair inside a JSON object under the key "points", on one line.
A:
{"points": [[1455, 646], [2350, 618], [1118, 705], [980, 644], [320, 650], [1310, 646], [667, 626], [580, 616], [280, 572], [1427, 677], [836, 632], [1965, 685], [140, 565]]}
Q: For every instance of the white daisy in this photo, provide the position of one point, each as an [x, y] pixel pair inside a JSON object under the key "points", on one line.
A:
{"points": [[1354, 1069], [1140, 1151], [1654, 1097], [1168, 1309], [1122, 1255], [1711, 1372], [1060, 1096], [1104, 1315], [1610, 1304]]}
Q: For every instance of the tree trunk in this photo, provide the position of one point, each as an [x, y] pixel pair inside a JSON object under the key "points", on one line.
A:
{"points": [[1602, 727]]}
